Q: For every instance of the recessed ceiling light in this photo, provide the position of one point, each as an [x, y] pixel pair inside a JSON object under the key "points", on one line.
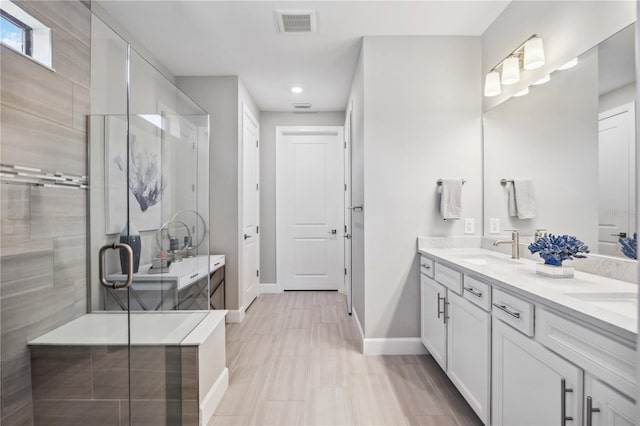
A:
{"points": [[572, 63], [296, 89], [543, 80]]}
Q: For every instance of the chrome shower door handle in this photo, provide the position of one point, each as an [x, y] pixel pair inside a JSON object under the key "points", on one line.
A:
{"points": [[102, 265]]}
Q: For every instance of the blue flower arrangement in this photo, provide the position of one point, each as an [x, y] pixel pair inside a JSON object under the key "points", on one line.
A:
{"points": [[555, 249], [630, 246]]}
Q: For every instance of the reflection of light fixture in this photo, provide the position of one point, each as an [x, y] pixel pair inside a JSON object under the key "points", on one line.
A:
{"points": [[523, 92], [511, 70], [533, 54], [296, 89], [572, 63], [492, 84], [543, 80], [529, 55]]}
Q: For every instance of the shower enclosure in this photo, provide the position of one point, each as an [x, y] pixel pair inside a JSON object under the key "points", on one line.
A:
{"points": [[149, 348]]}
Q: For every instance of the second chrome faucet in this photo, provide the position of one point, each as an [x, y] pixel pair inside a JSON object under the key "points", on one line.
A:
{"points": [[515, 243]]}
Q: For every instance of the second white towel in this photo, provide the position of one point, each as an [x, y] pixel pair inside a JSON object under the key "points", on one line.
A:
{"points": [[521, 199], [451, 199]]}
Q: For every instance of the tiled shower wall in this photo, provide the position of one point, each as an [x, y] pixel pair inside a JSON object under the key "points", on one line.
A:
{"points": [[43, 230]]}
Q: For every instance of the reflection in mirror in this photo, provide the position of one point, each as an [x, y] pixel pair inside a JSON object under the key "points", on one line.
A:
{"points": [[572, 139]]}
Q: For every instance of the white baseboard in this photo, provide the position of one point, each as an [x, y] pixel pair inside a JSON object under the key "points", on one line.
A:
{"points": [[211, 400], [235, 315], [390, 345], [393, 346], [268, 288]]}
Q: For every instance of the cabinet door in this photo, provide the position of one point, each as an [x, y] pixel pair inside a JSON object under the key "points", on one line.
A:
{"points": [[469, 352], [614, 409], [433, 327], [527, 382]]}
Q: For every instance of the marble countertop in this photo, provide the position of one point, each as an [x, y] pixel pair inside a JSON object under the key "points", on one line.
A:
{"points": [[602, 302]]}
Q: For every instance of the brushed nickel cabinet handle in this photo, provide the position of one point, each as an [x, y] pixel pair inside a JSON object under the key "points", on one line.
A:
{"points": [[563, 402], [473, 291], [590, 411], [425, 266], [504, 309], [439, 311]]}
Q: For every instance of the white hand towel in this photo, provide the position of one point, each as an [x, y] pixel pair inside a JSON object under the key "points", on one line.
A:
{"points": [[525, 198], [451, 199], [511, 199]]}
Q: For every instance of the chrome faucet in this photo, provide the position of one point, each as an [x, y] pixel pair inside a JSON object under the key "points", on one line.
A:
{"points": [[515, 243]]}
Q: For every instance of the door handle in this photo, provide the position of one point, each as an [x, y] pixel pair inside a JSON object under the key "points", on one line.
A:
{"points": [[563, 402], [620, 234], [102, 270], [347, 236], [333, 231], [246, 236], [356, 208], [590, 411]]}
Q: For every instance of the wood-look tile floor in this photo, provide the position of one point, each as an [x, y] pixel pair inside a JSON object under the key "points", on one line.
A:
{"points": [[294, 360]]}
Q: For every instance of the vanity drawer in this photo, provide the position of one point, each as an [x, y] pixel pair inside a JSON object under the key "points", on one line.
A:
{"points": [[449, 278], [601, 355], [426, 266], [477, 292], [514, 311]]}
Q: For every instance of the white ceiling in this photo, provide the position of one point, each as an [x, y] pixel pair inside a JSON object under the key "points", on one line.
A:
{"points": [[200, 38]]}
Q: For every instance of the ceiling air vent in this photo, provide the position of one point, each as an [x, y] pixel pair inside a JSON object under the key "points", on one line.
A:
{"points": [[301, 106], [296, 21]]}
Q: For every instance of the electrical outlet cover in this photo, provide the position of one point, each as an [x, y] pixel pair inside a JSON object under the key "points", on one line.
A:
{"points": [[494, 225], [469, 226]]}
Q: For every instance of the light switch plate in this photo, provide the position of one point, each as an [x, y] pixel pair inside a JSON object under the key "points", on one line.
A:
{"points": [[494, 225], [470, 226]]}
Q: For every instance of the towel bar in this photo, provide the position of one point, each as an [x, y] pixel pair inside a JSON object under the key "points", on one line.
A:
{"points": [[505, 181], [439, 182]]}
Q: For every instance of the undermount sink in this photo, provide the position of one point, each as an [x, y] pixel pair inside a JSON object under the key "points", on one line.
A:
{"points": [[624, 303], [487, 259]]}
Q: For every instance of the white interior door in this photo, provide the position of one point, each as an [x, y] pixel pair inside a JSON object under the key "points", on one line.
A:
{"points": [[309, 208], [616, 177], [250, 208], [347, 210]]}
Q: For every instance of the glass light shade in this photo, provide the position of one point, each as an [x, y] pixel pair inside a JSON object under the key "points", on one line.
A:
{"points": [[572, 63], [511, 70], [523, 92], [533, 54], [492, 84], [543, 80]]}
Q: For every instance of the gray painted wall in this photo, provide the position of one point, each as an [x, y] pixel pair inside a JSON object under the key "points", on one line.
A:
{"points": [[268, 123], [422, 122], [356, 98], [43, 283], [568, 29]]}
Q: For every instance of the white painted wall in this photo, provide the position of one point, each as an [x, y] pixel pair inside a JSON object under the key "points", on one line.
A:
{"points": [[356, 98], [550, 136], [268, 123], [568, 29], [422, 122]]}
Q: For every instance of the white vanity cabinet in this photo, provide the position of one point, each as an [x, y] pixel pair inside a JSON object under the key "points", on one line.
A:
{"points": [[469, 352], [433, 328], [457, 333], [606, 407], [530, 384]]}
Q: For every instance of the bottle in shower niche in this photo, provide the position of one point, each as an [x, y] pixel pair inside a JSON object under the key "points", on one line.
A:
{"points": [[130, 236]]}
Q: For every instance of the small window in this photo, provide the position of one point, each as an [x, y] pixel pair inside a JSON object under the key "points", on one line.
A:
{"points": [[25, 34], [15, 33]]}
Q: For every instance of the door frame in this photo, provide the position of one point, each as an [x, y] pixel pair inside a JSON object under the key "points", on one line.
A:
{"points": [[630, 108], [348, 212], [301, 130], [247, 115]]}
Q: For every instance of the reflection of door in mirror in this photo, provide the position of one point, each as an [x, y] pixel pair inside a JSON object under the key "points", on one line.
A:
{"points": [[616, 176]]}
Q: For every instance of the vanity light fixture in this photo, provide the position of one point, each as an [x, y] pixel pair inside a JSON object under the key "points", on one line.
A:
{"points": [[492, 84], [572, 63], [296, 89], [533, 53], [543, 80], [528, 55], [511, 70], [523, 92]]}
